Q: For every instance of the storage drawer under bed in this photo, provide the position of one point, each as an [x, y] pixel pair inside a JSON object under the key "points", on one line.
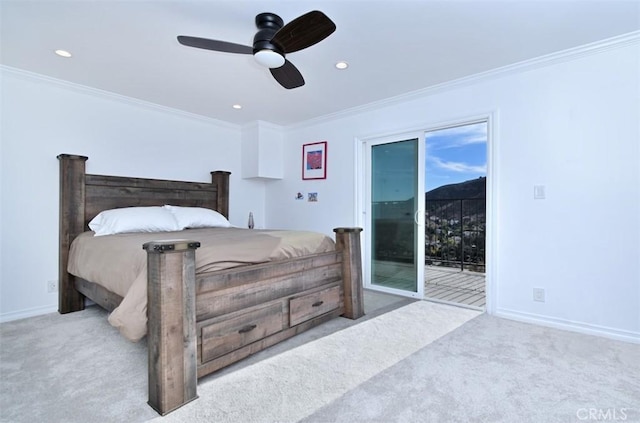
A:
{"points": [[229, 335], [308, 306]]}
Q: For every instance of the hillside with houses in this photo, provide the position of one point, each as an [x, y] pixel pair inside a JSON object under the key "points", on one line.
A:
{"points": [[455, 223]]}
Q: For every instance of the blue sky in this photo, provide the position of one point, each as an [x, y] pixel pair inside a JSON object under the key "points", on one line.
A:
{"points": [[455, 155]]}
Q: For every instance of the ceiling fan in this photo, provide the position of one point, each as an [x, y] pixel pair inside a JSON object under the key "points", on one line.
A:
{"points": [[273, 41]]}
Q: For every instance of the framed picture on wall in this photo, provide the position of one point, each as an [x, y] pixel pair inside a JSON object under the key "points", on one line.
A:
{"points": [[314, 160]]}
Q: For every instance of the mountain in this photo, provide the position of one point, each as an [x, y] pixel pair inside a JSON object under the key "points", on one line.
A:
{"points": [[474, 188]]}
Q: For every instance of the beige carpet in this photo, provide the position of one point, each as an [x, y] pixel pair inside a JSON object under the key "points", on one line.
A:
{"points": [[500, 371], [77, 368], [298, 382]]}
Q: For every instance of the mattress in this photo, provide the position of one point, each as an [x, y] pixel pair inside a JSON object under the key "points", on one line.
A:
{"points": [[119, 263]]}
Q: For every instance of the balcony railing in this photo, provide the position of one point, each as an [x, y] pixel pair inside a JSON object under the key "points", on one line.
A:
{"points": [[454, 232]]}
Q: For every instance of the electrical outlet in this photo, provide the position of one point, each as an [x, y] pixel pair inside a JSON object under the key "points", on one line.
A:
{"points": [[52, 286], [538, 294]]}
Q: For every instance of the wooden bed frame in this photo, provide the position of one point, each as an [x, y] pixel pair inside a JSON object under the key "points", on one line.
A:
{"points": [[198, 324]]}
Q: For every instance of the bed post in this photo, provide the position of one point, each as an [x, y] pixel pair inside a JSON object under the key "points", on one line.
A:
{"points": [[221, 179], [171, 327], [72, 221], [348, 241]]}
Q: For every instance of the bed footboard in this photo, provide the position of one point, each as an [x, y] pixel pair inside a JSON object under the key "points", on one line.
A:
{"points": [[178, 354]]}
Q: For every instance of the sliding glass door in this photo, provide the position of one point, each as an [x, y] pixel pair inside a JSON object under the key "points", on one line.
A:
{"points": [[395, 215], [424, 210]]}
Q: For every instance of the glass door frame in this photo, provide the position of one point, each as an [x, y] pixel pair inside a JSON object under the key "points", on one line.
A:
{"points": [[365, 213], [492, 117]]}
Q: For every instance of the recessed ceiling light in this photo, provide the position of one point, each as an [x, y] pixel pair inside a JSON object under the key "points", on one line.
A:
{"points": [[237, 106], [63, 53], [342, 65]]}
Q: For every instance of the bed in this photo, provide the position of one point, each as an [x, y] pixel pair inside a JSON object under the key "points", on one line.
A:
{"points": [[200, 322]]}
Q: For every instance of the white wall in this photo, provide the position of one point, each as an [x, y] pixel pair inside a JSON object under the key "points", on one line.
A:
{"points": [[42, 118], [572, 126]]}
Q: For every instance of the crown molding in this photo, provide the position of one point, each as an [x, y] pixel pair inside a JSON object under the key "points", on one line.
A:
{"points": [[527, 65], [83, 89], [524, 66]]}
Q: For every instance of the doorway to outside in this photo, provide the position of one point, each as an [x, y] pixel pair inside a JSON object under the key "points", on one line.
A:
{"points": [[455, 214], [425, 214]]}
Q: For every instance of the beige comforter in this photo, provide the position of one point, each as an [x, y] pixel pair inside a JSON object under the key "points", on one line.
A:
{"points": [[119, 263]]}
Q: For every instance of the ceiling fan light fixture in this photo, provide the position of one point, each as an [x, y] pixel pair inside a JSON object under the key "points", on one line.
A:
{"points": [[269, 58], [273, 41]]}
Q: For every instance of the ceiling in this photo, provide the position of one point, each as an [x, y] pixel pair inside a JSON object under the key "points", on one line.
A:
{"points": [[393, 47]]}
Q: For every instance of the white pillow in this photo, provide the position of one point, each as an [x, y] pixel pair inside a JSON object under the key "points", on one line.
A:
{"points": [[198, 217], [133, 219]]}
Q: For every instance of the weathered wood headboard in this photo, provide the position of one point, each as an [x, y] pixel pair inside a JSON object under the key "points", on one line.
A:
{"points": [[83, 196]]}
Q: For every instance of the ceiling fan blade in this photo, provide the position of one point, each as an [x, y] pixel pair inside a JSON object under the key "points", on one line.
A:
{"points": [[216, 45], [288, 75], [304, 31]]}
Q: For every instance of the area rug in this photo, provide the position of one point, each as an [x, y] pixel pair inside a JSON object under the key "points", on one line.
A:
{"points": [[296, 383]]}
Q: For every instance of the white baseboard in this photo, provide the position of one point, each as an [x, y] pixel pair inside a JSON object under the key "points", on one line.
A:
{"points": [[588, 329], [30, 312]]}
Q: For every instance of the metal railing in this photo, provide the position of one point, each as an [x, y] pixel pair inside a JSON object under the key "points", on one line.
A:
{"points": [[455, 233]]}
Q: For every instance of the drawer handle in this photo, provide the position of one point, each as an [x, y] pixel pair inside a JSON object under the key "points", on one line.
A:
{"points": [[247, 328], [317, 304]]}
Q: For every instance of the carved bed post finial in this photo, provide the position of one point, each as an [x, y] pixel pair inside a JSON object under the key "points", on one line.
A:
{"points": [[221, 179], [348, 241], [72, 213]]}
